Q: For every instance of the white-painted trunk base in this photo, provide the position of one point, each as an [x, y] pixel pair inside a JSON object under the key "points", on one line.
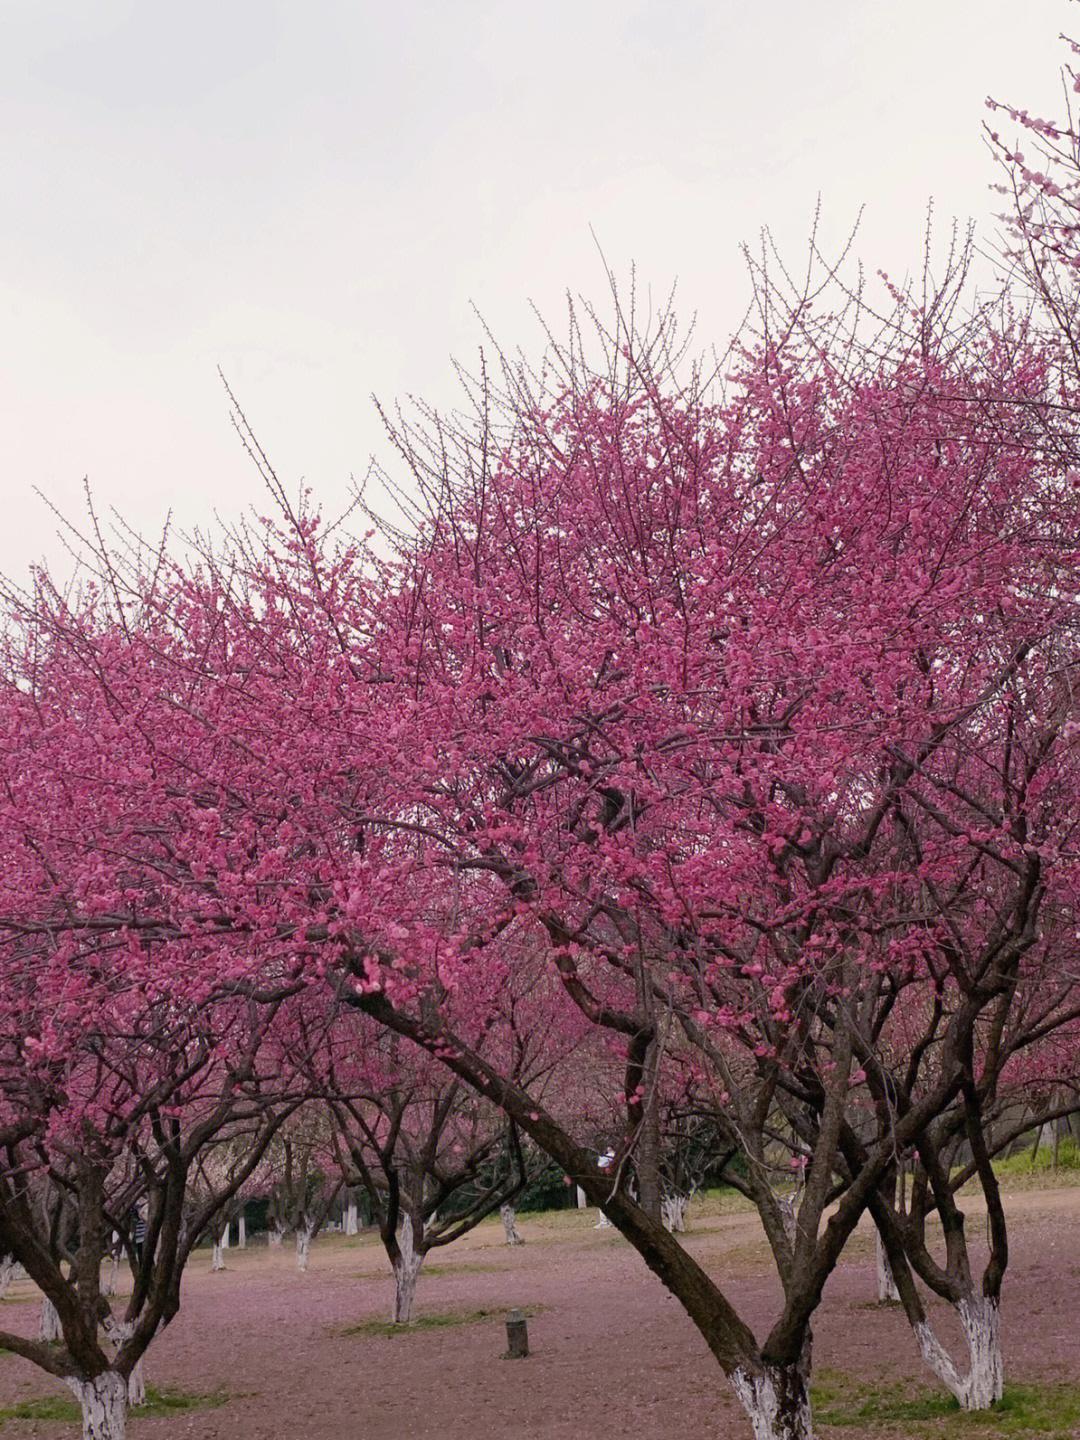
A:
{"points": [[275, 1237], [118, 1331], [136, 1388], [406, 1273], [673, 1213], [104, 1405], [303, 1249], [776, 1402], [8, 1266], [241, 1233], [886, 1285], [405, 1279], [218, 1262], [49, 1327], [983, 1385], [108, 1286], [582, 1198], [350, 1224], [603, 1223], [513, 1236]]}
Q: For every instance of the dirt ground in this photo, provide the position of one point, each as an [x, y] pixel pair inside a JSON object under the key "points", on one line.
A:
{"points": [[612, 1354]]}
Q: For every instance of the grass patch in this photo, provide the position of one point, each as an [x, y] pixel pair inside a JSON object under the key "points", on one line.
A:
{"points": [[429, 1272], [1042, 1162], [48, 1407], [1049, 1412], [169, 1401], [436, 1320], [722, 1200], [439, 1270], [163, 1401]]}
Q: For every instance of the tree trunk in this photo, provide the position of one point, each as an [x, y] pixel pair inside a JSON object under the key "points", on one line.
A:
{"points": [[104, 1405], [275, 1236], [118, 1331], [218, 1262], [349, 1224], [406, 1273], [136, 1387], [303, 1248], [647, 1151], [241, 1231], [775, 1398], [49, 1324], [225, 1238], [506, 1214], [108, 1285], [982, 1386], [886, 1285], [673, 1213], [582, 1199], [8, 1266]]}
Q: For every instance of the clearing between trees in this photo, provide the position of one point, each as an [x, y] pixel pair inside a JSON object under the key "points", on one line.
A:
{"points": [[260, 1351]]}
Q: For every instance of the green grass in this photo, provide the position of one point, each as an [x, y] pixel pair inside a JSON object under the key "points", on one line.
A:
{"points": [[1042, 1162], [436, 1271], [436, 1320], [1049, 1412], [164, 1401]]}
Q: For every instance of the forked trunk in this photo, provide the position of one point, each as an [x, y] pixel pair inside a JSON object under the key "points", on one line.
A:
{"points": [[407, 1267], [49, 1324], [886, 1285], [982, 1386], [776, 1399], [349, 1224], [506, 1215], [104, 1405], [275, 1237], [303, 1248]]}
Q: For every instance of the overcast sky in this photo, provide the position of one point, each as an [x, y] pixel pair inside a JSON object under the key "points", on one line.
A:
{"points": [[315, 196]]}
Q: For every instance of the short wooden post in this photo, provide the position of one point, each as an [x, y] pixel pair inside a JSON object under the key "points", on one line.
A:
{"points": [[517, 1335]]}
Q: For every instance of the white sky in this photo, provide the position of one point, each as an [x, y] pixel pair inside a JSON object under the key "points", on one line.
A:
{"points": [[313, 196]]}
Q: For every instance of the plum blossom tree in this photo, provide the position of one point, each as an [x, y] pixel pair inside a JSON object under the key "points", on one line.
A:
{"points": [[225, 1170], [752, 714], [761, 712], [434, 1159], [750, 709], [305, 1181], [121, 1059], [1021, 1047], [98, 1126]]}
